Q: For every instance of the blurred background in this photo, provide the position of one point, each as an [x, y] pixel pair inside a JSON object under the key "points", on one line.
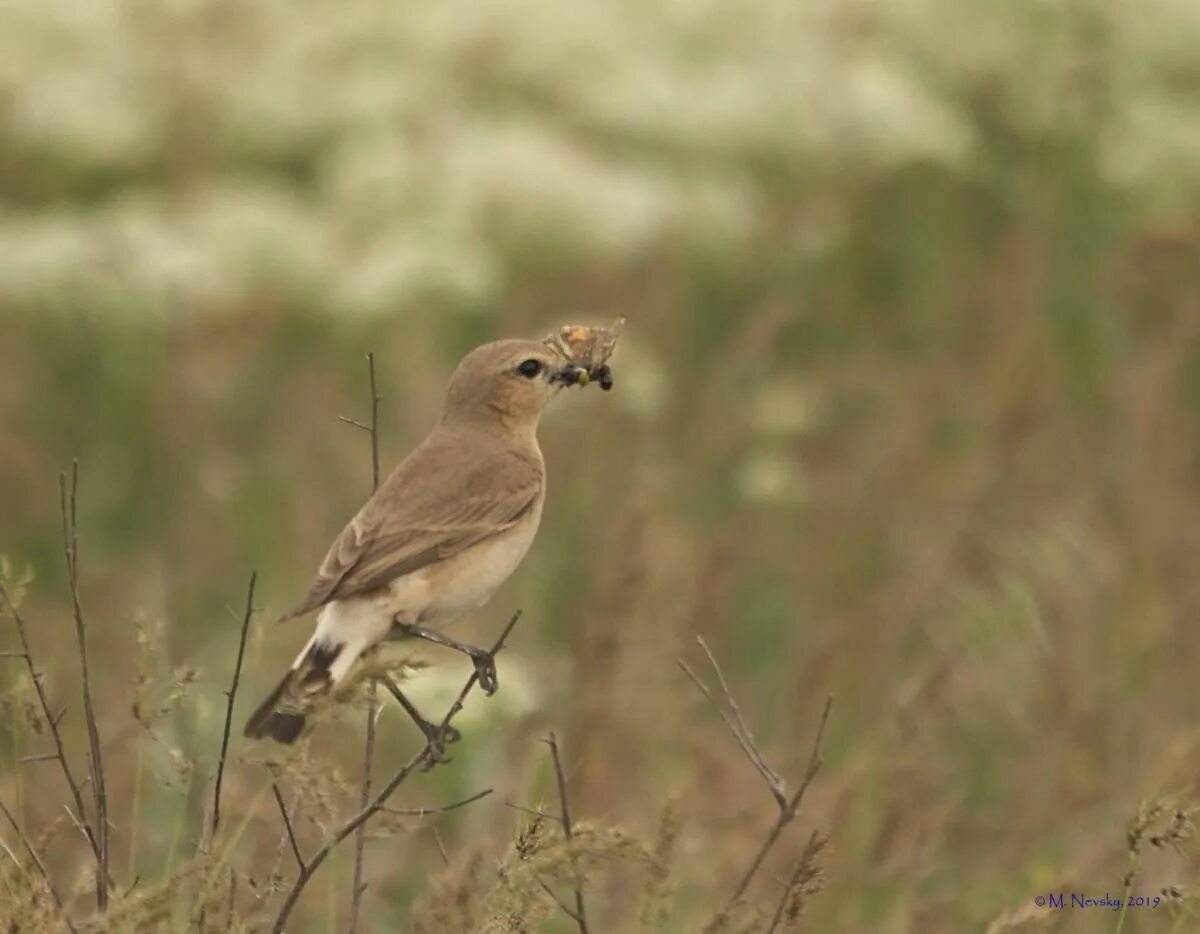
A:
{"points": [[907, 412]]}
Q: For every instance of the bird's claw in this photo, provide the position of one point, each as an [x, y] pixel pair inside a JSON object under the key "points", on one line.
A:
{"points": [[485, 671], [436, 738]]}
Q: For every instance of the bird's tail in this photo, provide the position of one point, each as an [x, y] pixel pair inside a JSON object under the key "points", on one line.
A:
{"points": [[312, 677]]}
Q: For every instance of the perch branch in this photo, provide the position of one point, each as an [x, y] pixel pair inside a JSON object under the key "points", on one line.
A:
{"points": [[231, 694], [360, 840], [427, 755]]}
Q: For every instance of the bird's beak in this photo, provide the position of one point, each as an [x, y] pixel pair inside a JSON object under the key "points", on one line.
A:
{"points": [[573, 375]]}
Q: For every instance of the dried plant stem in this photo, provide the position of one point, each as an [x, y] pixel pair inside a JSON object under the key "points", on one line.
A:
{"points": [[788, 812], [287, 824], [360, 837], [580, 913], [231, 696], [805, 871], [68, 500], [788, 806], [737, 725], [358, 886], [37, 861], [373, 428], [426, 756], [440, 809], [53, 722]]}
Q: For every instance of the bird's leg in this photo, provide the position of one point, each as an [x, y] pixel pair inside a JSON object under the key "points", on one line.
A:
{"points": [[485, 665], [433, 732]]}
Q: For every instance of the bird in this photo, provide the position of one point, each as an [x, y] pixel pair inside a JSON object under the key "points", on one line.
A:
{"points": [[446, 528]]}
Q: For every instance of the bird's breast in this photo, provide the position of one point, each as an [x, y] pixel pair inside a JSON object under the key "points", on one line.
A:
{"points": [[467, 580]]}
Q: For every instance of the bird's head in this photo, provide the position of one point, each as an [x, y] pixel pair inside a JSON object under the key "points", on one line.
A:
{"points": [[509, 383]]}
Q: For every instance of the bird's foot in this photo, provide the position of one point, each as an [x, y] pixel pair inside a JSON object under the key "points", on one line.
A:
{"points": [[485, 670], [485, 663]]}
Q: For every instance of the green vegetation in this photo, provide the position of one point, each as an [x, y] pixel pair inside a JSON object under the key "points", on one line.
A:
{"points": [[907, 411]]}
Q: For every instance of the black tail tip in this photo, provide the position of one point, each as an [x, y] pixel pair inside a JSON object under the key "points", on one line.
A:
{"points": [[282, 727]]}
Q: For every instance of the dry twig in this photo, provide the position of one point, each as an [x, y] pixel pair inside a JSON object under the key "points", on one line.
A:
{"points": [[427, 755], [37, 861], [359, 887], [52, 721], [231, 694], [804, 881], [580, 913], [70, 525], [788, 806]]}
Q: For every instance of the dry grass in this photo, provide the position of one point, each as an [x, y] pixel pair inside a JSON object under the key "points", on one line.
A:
{"points": [[907, 412]]}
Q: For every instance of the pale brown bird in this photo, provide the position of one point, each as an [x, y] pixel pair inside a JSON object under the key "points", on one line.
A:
{"points": [[438, 537]]}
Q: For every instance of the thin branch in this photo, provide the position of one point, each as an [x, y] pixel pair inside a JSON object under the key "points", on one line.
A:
{"points": [[376, 398], [232, 696], [45, 757], [70, 524], [360, 838], [566, 910], [232, 899], [52, 720], [37, 860], [291, 834], [534, 812], [580, 913], [437, 838], [805, 874], [360, 841], [787, 813], [427, 755], [373, 428], [426, 812], [737, 726], [13, 655]]}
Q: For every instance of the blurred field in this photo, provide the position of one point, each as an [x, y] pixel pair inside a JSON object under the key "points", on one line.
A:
{"points": [[908, 411]]}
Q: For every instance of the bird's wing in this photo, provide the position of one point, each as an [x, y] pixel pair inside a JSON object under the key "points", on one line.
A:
{"points": [[433, 506]]}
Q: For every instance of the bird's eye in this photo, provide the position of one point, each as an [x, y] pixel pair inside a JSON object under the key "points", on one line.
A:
{"points": [[530, 368]]}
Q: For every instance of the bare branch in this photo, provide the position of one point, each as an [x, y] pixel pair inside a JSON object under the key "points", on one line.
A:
{"points": [[68, 501], [535, 813], [580, 913], [427, 755], [437, 838], [787, 814], [37, 860], [287, 824], [376, 398], [737, 725], [360, 842], [232, 697], [45, 757], [426, 812], [805, 877]]}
